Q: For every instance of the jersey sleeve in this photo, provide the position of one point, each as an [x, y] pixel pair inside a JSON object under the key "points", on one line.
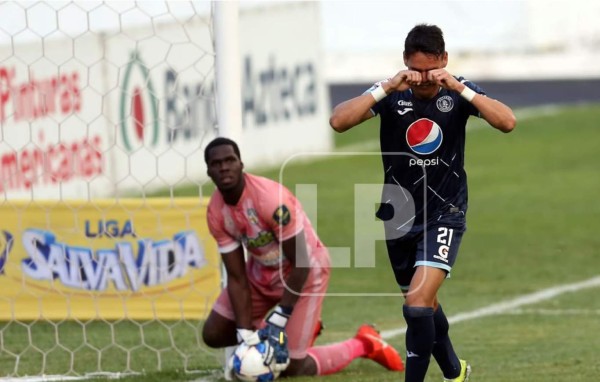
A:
{"points": [[216, 225], [376, 109], [283, 213]]}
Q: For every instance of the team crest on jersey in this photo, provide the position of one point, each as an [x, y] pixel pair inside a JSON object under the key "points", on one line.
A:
{"points": [[282, 215], [424, 136], [445, 104]]}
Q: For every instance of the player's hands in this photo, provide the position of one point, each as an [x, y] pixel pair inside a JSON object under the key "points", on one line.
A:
{"points": [[444, 79], [250, 337], [274, 332], [404, 79]]}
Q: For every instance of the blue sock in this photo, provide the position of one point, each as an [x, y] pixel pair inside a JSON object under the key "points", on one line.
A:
{"points": [[443, 352], [420, 335]]}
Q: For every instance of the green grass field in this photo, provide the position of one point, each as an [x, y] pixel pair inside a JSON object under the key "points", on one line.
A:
{"points": [[533, 223]]}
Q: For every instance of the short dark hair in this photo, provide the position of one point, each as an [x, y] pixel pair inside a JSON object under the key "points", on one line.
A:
{"points": [[425, 38], [219, 141]]}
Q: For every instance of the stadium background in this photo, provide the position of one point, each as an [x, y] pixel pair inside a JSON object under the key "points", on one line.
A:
{"points": [[517, 94], [545, 68]]}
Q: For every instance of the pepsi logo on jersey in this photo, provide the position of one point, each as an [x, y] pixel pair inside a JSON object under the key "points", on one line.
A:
{"points": [[424, 136]]}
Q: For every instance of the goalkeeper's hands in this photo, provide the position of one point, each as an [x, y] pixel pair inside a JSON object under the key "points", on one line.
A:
{"points": [[274, 332]]}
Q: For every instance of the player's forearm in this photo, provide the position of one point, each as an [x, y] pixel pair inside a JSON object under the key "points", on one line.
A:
{"points": [[497, 114], [293, 286], [296, 252], [239, 295], [351, 113]]}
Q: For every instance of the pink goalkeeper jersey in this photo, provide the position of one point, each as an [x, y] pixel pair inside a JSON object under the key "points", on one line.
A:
{"points": [[266, 214]]}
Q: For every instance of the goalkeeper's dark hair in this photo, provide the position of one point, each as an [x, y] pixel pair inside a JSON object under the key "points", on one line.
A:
{"points": [[220, 141], [425, 38]]}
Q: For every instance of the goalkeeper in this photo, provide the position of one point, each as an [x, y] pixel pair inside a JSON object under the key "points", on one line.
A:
{"points": [[285, 277]]}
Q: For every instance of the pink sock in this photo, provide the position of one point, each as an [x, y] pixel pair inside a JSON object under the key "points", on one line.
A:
{"points": [[333, 358]]}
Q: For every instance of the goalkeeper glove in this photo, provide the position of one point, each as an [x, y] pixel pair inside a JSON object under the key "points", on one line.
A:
{"points": [[274, 332]]}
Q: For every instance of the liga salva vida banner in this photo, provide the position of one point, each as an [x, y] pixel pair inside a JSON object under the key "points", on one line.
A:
{"points": [[136, 259]]}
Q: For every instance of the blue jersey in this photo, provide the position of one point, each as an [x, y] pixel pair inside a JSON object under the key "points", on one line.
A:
{"points": [[423, 145]]}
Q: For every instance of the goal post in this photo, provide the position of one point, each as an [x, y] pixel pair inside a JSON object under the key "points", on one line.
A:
{"points": [[228, 70]]}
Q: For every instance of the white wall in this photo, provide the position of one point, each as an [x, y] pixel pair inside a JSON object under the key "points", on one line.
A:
{"points": [[352, 68], [521, 39]]}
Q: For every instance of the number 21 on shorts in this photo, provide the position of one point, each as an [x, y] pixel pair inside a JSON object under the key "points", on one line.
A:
{"points": [[444, 238]]}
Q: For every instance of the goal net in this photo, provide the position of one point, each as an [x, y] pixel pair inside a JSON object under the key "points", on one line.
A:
{"points": [[104, 105]]}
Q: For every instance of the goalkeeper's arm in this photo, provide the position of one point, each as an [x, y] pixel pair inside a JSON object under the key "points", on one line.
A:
{"points": [[294, 249], [238, 287], [296, 252]]}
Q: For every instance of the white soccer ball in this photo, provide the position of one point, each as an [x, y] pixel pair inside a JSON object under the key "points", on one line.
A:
{"points": [[254, 363]]}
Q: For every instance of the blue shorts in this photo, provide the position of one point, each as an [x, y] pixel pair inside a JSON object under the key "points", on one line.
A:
{"points": [[435, 246]]}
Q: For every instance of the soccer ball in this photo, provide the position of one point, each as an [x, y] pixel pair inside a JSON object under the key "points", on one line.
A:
{"points": [[254, 363]]}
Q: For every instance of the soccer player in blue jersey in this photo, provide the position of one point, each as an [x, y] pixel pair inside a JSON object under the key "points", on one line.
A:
{"points": [[423, 111]]}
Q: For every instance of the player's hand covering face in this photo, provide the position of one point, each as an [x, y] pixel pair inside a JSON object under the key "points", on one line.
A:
{"points": [[225, 167], [424, 86]]}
